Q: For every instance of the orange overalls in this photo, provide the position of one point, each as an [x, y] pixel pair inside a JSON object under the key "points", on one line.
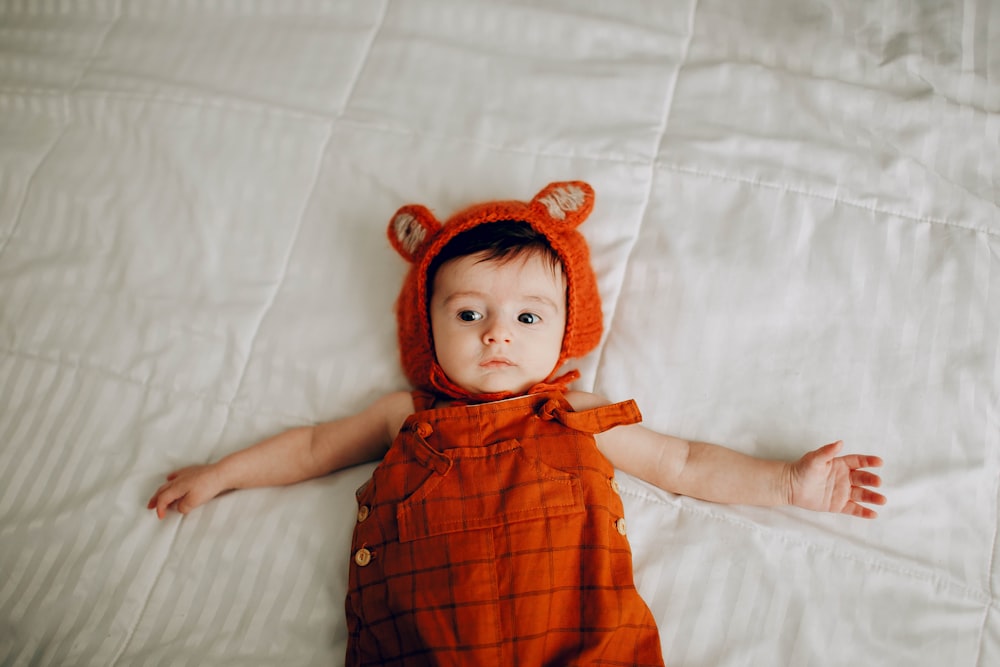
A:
{"points": [[493, 534]]}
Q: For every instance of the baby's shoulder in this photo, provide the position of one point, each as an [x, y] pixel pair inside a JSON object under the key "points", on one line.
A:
{"points": [[393, 408]]}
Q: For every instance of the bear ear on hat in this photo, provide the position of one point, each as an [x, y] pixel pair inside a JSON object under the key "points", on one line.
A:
{"points": [[567, 202], [410, 229]]}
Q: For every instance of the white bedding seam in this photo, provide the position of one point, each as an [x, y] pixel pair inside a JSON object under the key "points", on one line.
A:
{"points": [[238, 386], [240, 105], [130, 631], [27, 188], [990, 574], [704, 173], [668, 106], [410, 132], [160, 568], [882, 564], [228, 404], [65, 95], [368, 52], [301, 217], [117, 376], [229, 103]]}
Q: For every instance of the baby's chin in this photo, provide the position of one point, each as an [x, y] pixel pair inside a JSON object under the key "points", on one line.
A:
{"points": [[497, 388], [501, 386]]}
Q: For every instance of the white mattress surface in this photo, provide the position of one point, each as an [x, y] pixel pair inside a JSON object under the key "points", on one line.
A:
{"points": [[797, 238]]}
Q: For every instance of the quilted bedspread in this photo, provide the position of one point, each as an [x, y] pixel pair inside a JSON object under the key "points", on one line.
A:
{"points": [[797, 240]]}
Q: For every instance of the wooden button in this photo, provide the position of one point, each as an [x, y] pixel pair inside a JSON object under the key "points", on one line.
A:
{"points": [[363, 557], [620, 525], [363, 513]]}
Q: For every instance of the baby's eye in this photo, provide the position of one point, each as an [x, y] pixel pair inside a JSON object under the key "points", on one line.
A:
{"points": [[469, 316], [528, 318]]}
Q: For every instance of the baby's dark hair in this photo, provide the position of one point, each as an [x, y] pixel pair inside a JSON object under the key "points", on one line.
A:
{"points": [[499, 241]]}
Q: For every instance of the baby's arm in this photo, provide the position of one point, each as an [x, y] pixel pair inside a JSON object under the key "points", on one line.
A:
{"points": [[819, 481], [293, 456]]}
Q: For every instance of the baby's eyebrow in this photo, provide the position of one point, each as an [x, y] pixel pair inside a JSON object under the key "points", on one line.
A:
{"points": [[543, 300], [466, 294], [472, 294]]}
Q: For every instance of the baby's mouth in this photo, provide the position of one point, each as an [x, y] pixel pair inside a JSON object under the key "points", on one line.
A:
{"points": [[496, 362]]}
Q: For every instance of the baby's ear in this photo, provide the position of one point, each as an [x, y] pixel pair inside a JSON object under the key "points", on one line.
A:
{"points": [[568, 202], [410, 229]]}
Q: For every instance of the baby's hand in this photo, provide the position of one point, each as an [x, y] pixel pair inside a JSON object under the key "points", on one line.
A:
{"points": [[186, 489], [824, 482]]}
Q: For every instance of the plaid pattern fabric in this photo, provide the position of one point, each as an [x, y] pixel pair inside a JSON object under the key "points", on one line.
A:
{"points": [[493, 534]]}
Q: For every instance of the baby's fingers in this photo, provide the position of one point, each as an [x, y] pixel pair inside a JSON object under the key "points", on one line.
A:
{"points": [[867, 496], [167, 496], [156, 495], [865, 478], [164, 501], [854, 509], [855, 461]]}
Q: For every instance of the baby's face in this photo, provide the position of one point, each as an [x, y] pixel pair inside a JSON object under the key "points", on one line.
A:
{"points": [[498, 326]]}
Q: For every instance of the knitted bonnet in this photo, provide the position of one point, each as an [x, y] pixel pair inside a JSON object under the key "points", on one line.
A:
{"points": [[419, 237]]}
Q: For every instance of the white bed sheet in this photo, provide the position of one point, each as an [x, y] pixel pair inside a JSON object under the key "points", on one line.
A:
{"points": [[797, 236]]}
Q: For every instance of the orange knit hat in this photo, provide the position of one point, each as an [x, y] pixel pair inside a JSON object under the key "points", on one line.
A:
{"points": [[419, 237]]}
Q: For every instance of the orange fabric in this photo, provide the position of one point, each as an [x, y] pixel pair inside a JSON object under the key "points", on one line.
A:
{"points": [[419, 237], [492, 534]]}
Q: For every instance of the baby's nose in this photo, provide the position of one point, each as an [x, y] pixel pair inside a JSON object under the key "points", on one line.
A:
{"points": [[497, 333]]}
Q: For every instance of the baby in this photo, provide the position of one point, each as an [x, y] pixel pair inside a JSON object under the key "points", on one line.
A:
{"points": [[492, 531]]}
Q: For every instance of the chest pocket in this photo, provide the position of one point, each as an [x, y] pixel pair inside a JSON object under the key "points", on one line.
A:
{"points": [[485, 487]]}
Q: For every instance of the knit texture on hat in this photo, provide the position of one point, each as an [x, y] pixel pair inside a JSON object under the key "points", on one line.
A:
{"points": [[419, 237]]}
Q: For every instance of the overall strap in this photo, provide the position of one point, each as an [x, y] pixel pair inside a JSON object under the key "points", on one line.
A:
{"points": [[594, 420], [422, 400]]}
